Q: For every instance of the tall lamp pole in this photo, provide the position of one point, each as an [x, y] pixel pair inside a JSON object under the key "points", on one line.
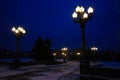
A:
{"points": [[94, 49], [18, 32], [81, 17]]}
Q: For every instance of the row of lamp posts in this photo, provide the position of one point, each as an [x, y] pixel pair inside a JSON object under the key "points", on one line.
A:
{"points": [[19, 32], [64, 53], [79, 16]]}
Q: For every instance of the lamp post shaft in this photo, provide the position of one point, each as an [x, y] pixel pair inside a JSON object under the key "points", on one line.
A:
{"points": [[17, 44], [16, 60], [94, 57], [84, 61], [83, 38]]}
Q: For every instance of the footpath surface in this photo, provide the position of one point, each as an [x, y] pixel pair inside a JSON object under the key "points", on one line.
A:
{"points": [[37, 72], [67, 71]]}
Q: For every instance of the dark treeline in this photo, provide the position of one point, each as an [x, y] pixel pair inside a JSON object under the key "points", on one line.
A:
{"points": [[99, 56], [44, 53], [41, 50]]}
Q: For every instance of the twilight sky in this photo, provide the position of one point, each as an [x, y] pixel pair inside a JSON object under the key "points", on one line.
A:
{"points": [[53, 19]]}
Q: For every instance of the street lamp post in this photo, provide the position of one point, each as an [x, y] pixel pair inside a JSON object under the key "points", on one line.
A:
{"points": [[18, 32], [64, 53], [94, 49], [81, 17]]}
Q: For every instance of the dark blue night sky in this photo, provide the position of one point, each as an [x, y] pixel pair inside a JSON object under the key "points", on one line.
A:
{"points": [[53, 19]]}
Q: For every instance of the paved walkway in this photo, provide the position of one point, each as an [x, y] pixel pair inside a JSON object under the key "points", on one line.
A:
{"points": [[70, 76], [24, 73], [37, 72]]}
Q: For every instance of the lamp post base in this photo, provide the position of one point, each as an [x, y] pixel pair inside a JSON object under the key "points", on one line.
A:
{"points": [[16, 63], [84, 66]]}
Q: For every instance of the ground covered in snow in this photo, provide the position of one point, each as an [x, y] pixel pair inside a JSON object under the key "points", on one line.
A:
{"points": [[65, 71], [38, 72]]}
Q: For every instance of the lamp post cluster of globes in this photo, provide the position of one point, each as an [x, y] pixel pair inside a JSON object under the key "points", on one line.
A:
{"points": [[94, 49], [18, 32]]}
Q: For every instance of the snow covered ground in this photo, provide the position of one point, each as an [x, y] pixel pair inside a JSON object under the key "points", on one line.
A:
{"points": [[66, 71], [38, 72]]}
